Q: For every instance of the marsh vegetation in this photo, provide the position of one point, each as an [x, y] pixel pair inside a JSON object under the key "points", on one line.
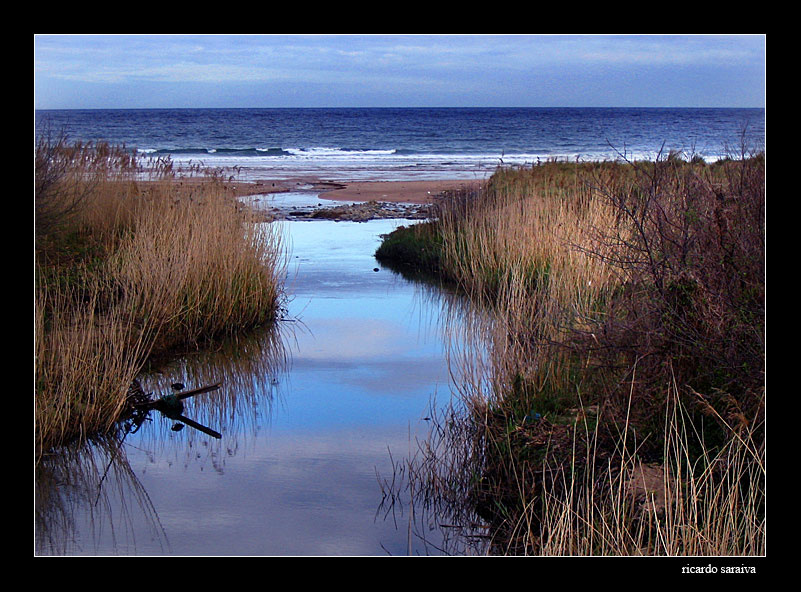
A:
{"points": [[619, 409], [133, 264]]}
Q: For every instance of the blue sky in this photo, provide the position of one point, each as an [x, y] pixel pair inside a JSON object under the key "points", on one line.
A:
{"points": [[154, 71]]}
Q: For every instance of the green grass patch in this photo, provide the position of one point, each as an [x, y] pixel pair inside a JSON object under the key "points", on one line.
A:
{"points": [[416, 248]]}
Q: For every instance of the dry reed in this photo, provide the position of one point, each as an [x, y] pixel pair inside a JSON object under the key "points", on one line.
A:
{"points": [[682, 506], [625, 289], [146, 263]]}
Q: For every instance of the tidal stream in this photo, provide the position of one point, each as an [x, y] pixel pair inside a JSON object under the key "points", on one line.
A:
{"points": [[313, 417]]}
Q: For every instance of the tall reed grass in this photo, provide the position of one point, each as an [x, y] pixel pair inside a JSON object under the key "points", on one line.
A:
{"points": [[134, 262], [627, 298], [523, 247]]}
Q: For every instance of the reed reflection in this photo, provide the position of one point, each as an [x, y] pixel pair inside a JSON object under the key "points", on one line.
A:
{"points": [[428, 490], [88, 498]]}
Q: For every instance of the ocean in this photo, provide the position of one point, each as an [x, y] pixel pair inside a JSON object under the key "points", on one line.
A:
{"points": [[407, 144]]}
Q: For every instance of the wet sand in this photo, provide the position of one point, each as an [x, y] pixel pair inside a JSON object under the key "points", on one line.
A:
{"points": [[411, 192], [415, 192]]}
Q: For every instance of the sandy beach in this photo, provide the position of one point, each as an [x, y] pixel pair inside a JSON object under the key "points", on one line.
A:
{"points": [[411, 192], [416, 192]]}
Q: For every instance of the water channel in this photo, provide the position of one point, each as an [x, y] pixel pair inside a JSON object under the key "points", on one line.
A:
{"points": [[313, 417]]}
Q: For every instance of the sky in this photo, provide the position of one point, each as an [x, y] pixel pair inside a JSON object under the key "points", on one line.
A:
{"points": [[169, 71]]}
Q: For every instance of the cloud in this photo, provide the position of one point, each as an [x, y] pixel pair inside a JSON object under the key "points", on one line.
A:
{"points": [[408, 69], [660, 51]]}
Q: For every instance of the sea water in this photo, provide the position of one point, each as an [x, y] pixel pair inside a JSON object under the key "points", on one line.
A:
{"points": [[414, 143]]}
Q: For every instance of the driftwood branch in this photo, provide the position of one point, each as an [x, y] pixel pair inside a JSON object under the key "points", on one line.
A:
{"points": [[204, 389], [172, 406], [192, 423], [197, 391]]}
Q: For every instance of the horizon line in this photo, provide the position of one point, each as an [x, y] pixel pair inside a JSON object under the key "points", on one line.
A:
{"points": [[396, 107]]}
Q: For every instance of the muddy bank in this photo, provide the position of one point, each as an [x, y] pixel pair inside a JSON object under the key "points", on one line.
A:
{"points": [[354, 212], [362, 212]]}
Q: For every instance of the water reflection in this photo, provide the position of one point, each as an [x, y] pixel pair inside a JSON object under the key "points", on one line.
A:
{"points": [[342, 429], [91, 499], [428, 490], [77, 496], [249, 369], [307, 415]]}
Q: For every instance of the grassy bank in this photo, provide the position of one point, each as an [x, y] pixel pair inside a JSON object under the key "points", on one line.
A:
{"points": [[131, 266], [621, 407], [413, 249]]}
